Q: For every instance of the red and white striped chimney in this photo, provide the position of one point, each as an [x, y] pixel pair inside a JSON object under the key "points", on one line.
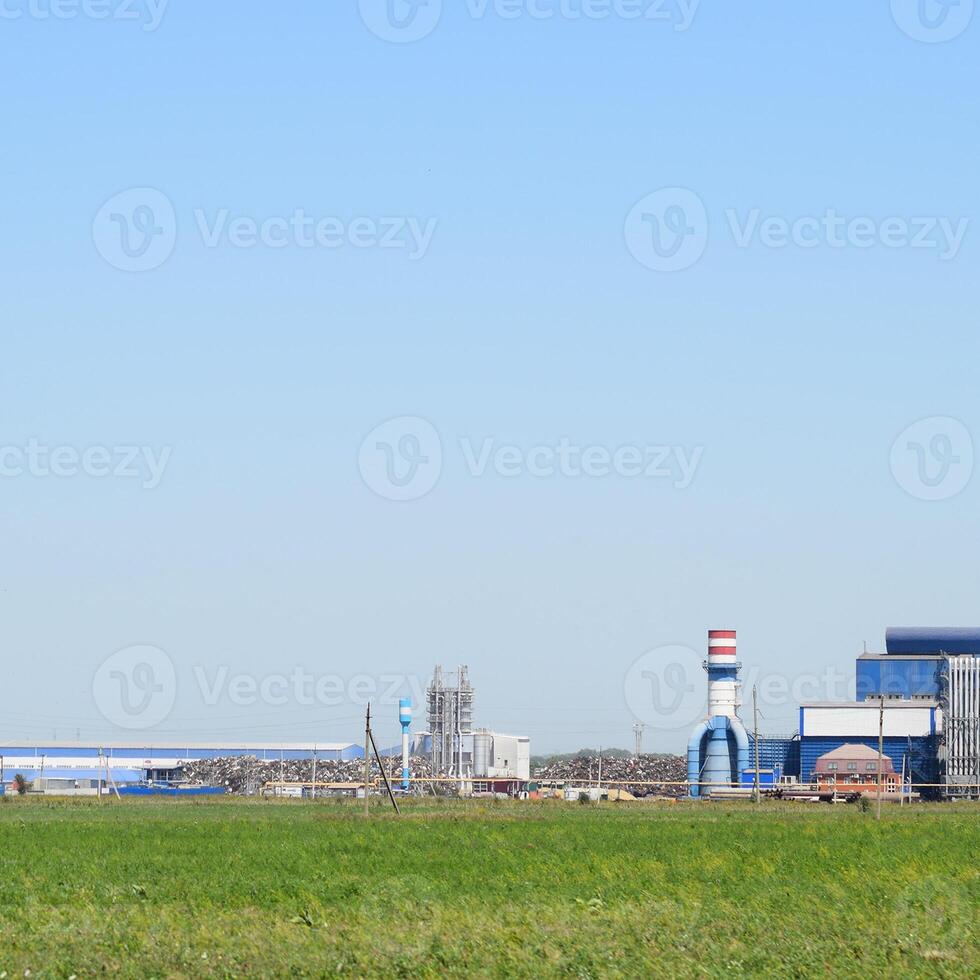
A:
{"points": [[724, 696]]}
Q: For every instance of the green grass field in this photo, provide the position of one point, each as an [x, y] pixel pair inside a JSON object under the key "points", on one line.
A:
{"points": [[229, 887]]}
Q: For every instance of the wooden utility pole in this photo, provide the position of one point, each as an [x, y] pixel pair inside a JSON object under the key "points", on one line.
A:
{"points": [[313, 790], [384, 775], [881, 749], [367, 759], [755, 725]]}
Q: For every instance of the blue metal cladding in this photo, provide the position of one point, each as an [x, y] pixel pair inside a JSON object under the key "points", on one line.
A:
{"points": [[935, 639], [919, 753], [904, 678], [777, 752]]}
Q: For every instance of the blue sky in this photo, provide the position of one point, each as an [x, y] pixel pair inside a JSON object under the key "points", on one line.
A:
{"points": [[527, 319]]}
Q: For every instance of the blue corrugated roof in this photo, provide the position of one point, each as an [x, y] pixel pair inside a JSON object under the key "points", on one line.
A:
{"points": [[933, 639]]}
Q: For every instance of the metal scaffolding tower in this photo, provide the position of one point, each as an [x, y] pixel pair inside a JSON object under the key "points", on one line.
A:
{"points": [[449, 709], [960, 752]]}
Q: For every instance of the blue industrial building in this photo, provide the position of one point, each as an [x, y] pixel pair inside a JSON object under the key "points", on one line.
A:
{"points": [[906, 690], [899, 676], [923, 693], [780, 753], [83, 766]]}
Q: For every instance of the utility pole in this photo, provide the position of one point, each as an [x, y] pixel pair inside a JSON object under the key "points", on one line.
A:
{"points": [[600, 768], [881, 749], [755, 725], [384, 775], [638, 739], [367, 759], [313, 790]]}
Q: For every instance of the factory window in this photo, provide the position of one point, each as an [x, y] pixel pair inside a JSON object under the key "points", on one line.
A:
{"points": [[852, 767], [832, 766], [872, 767]]}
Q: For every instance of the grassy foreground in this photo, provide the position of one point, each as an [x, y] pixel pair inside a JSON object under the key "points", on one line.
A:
{"points": [[232, 887]]}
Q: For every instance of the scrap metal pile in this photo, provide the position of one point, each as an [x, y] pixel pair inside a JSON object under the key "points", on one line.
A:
{"points": [[248, 774], [625, 773]]}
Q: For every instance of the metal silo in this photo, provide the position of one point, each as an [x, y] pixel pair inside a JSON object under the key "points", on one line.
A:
{"points": [[482, 743]]}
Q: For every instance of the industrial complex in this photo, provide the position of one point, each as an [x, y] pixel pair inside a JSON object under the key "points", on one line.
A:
{"points": [[919, 702], [913, 729], [451, 753]]}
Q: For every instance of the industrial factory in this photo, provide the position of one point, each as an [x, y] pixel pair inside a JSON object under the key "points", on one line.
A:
{"points": [[487, 760], [913, 730], [450, 756], [918, 703]]}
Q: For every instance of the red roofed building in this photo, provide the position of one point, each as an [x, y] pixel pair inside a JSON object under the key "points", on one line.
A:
{"points": [[855, 768]]}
